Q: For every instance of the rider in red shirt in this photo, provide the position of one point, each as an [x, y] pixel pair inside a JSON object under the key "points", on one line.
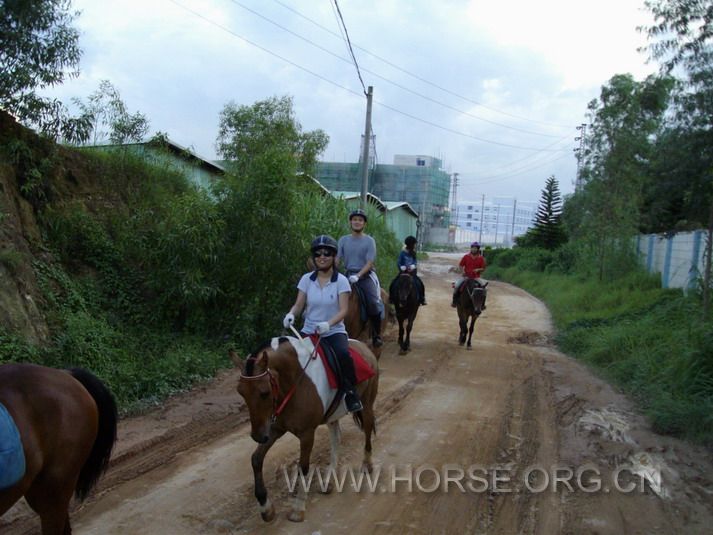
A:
{"points": [[471, 266]]}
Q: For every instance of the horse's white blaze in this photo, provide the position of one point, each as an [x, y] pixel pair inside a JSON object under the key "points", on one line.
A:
{"points": [[316, 373]]}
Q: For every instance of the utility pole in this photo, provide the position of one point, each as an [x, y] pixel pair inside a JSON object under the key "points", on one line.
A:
{"points": [[454, 203], [512, 229], [482, 214], [579, 151], [497, 222], [365, 149]]}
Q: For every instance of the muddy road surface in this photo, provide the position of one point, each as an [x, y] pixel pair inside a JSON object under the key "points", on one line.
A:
{"points": [[509, 437]]}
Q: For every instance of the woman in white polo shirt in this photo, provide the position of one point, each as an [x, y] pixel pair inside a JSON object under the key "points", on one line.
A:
{"points": [[324, 296]]}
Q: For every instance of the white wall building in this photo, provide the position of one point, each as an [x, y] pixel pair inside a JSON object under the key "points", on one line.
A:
{"points": [[496, 221]]}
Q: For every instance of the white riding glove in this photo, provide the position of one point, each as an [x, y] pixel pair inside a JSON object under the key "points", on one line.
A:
{"points": [[323, 327], [288, 320], [403, 268], [353, 279]]}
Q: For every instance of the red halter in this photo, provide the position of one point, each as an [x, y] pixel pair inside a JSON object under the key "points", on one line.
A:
{"points": [[277, 409]]}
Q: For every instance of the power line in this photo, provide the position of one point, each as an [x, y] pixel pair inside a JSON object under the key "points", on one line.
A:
{"points": [[496, 178], [387, 80], [421, 79], [349, 44], [324, 78]]}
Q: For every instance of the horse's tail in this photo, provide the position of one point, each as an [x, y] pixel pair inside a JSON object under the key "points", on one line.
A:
{"points": [[98, 459], [358, 419]]}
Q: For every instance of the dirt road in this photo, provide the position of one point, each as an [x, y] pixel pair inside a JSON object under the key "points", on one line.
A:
{"points": [[510, 437]]}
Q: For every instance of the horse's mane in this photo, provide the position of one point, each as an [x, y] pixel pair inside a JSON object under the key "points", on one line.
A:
{"points": [[250, 361]]}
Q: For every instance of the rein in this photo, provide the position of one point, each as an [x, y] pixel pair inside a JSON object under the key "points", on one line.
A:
{"points": [[274, 387]]}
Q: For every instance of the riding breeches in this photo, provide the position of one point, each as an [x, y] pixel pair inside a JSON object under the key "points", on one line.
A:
{"points": [[340, 345], [372, 295]]}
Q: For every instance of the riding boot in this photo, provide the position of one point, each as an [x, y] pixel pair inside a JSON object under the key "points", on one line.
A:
{"points": [[376, 330], [351, 398]]}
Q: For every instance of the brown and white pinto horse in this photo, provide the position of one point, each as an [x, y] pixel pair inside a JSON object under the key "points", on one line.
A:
{"points": [[285, 389], [470, 305], [67, 425]]}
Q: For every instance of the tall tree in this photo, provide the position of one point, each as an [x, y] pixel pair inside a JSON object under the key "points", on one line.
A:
{"points": [[681, 39], [110, 118], [624, 122], [265, 146], [548, 230], [39, 48]]}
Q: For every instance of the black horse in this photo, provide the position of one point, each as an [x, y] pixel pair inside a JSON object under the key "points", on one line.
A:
{"points": [[406, 303], [470, 305]]}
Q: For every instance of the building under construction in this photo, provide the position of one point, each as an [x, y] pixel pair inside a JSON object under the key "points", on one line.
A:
{"points": [[417, 180]]}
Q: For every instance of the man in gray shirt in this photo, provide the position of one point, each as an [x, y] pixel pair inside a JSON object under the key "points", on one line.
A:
{"points": [[357, 253]]}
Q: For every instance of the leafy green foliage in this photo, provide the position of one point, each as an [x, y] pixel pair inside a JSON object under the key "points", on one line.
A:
{"points": [[39, 48], [110, 120]]}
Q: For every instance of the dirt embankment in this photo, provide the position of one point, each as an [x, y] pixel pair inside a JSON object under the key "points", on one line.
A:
{"points": [[35, 173], [511, 437]]}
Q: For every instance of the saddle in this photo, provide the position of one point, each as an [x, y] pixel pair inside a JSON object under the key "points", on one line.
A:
{"points": [[12, 455], [362, 369]]}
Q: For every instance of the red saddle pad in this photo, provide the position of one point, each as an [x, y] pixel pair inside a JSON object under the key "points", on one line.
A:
{"points": [[362, 368]]}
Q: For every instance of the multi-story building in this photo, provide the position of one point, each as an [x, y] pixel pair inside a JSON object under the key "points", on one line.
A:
{"points": [[496, 221], [417, 180]]}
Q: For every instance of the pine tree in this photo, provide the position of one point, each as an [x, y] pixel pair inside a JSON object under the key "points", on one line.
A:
{"points": [[548, 231]]}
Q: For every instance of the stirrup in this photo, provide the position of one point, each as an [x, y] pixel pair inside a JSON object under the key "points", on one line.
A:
{"points": [[353, 403]]}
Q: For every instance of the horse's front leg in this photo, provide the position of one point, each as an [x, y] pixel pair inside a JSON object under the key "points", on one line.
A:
{"points": [[470, 331], [265, 506], [463, 324], [334, 440], [297, 514], [401, 332], [407, 344]]}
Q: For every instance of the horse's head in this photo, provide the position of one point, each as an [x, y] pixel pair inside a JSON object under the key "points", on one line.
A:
{"points": [[476, 295], [405, 287], [258, 387]]}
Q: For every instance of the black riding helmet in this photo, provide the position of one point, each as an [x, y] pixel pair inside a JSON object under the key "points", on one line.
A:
{"points": [[324, 241], [410, 242], [360, 212]]}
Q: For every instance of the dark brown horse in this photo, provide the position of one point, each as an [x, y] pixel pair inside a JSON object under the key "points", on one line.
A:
{"points": [[359, 328], [67, 424], [470, 305], [286, 390], [406, 304]]}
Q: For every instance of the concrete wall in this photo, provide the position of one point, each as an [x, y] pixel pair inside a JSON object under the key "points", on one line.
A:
{"points": [[679, 258]]}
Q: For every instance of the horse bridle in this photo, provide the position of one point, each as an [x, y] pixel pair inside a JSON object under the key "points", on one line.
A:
{"points": [[476, 288], [274, 387]]}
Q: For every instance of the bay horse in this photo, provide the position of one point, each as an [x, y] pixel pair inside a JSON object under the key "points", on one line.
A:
{"points": [[470, 305], [406, 304], [67, 425], [285, 389], [358, 327]]}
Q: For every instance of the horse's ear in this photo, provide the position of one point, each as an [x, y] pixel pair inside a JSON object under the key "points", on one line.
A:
{"points": [[486, 284], [262, 360], [236, 359]]}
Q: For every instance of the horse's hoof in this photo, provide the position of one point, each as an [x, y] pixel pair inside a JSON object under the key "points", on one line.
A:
{"points": [[367, 467], [402, 351], [296, 516], [469, 348], [328, 490], [269, 515]]}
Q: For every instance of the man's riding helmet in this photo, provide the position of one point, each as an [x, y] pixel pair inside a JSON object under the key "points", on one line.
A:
{"points": [[410, 241], [475, 244], [324, 241], [357, 212]]}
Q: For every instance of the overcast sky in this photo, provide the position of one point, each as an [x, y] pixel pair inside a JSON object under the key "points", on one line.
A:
{"points": [[495, 89]]}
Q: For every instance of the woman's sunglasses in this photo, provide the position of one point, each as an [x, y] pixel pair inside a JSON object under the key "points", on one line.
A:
{"points": [[323, 252]]}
